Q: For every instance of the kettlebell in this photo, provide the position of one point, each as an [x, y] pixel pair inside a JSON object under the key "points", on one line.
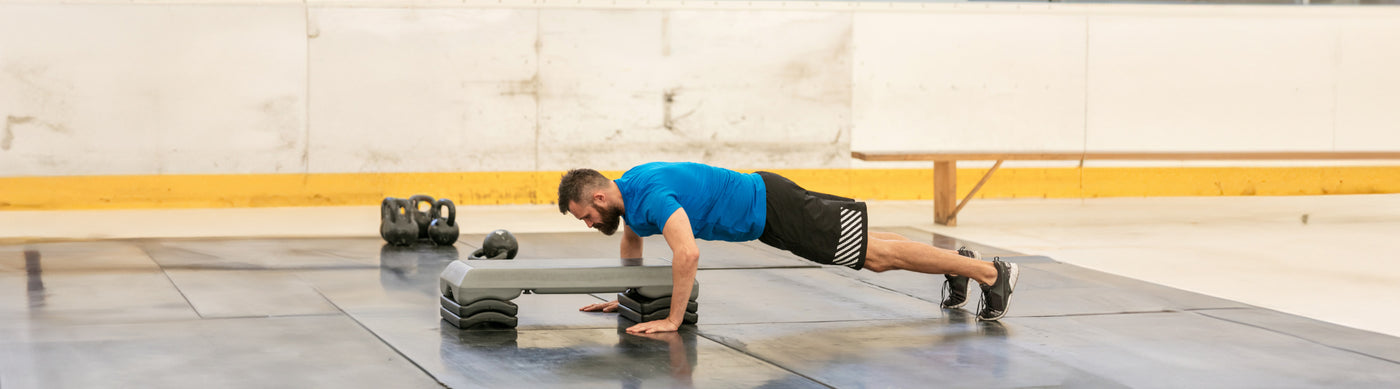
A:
{"points": [[499, 244], [443, 231], [396, 223], [384, 216], [419, 216]]}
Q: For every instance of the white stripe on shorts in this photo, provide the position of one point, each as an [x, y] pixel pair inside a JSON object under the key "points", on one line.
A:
{"points": [[849, 246]]}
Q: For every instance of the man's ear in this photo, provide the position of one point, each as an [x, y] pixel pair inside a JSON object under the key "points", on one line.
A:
{"points": [[600, 198]]}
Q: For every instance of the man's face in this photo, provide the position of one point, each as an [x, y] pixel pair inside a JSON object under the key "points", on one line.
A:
{"points": [[602, 218]]}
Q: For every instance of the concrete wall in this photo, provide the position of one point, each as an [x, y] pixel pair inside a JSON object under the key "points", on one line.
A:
{"points": [[236, 87], [100, 89]]}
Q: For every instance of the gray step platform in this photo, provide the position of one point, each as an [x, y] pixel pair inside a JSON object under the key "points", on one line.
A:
{"points": [[644, 305], [466, 282], [474, 292], [629, 314]]}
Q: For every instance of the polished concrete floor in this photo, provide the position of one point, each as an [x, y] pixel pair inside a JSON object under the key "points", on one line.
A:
{"points": [[324, 311]]}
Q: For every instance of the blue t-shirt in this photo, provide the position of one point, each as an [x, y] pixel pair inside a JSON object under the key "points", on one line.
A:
{"points": [[721, 204]]}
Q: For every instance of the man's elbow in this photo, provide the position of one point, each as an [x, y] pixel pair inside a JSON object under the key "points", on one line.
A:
{"points": [[688, 256]]}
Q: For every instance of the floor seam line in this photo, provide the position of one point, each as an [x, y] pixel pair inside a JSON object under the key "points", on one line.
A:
{"points": [[765, 360], [380, 338], [1300, 338], [165, 273]]}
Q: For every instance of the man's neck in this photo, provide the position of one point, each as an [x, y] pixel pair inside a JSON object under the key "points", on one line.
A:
{"points": [[616, 193]]}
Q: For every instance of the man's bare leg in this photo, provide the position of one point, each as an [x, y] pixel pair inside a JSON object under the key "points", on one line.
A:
{"points": [[887, 236], [998, 278], [894, 254], [894, 236]]}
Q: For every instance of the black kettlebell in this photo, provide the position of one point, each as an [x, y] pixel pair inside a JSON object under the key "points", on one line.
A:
{"points": [[499, 244], [443, 231], [384, 217], [421, 217], [396, 223]]}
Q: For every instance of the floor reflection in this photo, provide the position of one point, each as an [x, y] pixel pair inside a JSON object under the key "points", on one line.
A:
{"points": [[34, 272], [414, 268], [879, 353], [634, 360], [679, 347], [992, 349]]}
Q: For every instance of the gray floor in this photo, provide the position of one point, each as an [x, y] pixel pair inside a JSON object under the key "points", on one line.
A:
{"points": [[353, 313]]}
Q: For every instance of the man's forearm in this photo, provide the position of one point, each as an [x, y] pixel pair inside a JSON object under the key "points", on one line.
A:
{"points": [[631, 249], [631, 245], [683, 268]]}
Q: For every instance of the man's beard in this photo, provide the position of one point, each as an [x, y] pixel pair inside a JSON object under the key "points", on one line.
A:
{"points": [[611, 219]]}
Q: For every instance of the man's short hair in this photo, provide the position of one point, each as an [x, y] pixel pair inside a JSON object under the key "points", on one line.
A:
{"points": [[575, 184]]}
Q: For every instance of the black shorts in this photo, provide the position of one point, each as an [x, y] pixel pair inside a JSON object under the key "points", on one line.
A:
{"points": [[826, 229]]}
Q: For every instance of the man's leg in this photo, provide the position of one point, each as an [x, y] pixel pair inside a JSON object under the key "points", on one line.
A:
{"points": [[832, 230], [998, 278], [887, 236], [893, 254], [894, 236]]}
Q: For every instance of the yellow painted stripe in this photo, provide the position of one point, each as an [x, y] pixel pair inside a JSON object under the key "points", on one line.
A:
{"points": [[486, 188]]}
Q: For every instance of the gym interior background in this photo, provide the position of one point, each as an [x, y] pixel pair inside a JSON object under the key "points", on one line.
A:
{"points": [[288, 103], [281, 119]]}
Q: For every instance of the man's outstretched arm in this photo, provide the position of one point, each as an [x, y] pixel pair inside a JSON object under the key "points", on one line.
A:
{"points": [[631, 243], [685, 260]]}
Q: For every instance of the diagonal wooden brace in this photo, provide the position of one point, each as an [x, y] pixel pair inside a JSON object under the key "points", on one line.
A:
{"points": [[945, 189]]}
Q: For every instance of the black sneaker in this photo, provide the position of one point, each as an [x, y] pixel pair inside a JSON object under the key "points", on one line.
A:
{"points": [[957, 288], [997, 296]]}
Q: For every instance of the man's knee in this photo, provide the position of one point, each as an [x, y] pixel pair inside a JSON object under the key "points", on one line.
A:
{"points": [[876, 266], [878, 258]]}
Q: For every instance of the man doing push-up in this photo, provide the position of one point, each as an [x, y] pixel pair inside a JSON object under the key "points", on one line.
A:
{"points": [[685, 201]]}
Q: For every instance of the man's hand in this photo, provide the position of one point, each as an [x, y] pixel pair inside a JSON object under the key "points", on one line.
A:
{"points": [[610, 306], [655, 326]]}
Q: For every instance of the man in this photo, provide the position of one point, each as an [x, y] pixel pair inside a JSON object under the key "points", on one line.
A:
{"points": [[683, 201]]}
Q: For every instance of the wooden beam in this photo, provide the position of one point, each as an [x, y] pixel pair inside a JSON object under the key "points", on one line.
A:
{"points": [[984, 179], [945, 192], [1124, 156], [981, 156], [945, 181]]}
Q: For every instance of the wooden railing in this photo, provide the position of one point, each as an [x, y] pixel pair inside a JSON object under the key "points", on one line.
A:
{"points": [[945, 166]]}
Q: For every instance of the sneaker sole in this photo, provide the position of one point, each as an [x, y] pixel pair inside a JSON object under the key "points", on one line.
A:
{"points": [[1015, 273]]}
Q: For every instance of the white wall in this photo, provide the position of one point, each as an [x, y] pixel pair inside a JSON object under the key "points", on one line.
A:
{"points": [[747, 89], [111, 87], [151, 89], [422, 90], [969, 81], [1129, 78], [1203, 82]]}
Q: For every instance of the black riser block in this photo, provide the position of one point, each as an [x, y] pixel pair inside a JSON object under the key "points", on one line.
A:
{"points": [[489, 305], [690, 317], [483, 320], [646, 307]]}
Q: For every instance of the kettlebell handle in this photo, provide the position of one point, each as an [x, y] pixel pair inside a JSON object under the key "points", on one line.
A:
{"points": [[451, 211], [389, 209], [404, 209], [419, 199]]}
